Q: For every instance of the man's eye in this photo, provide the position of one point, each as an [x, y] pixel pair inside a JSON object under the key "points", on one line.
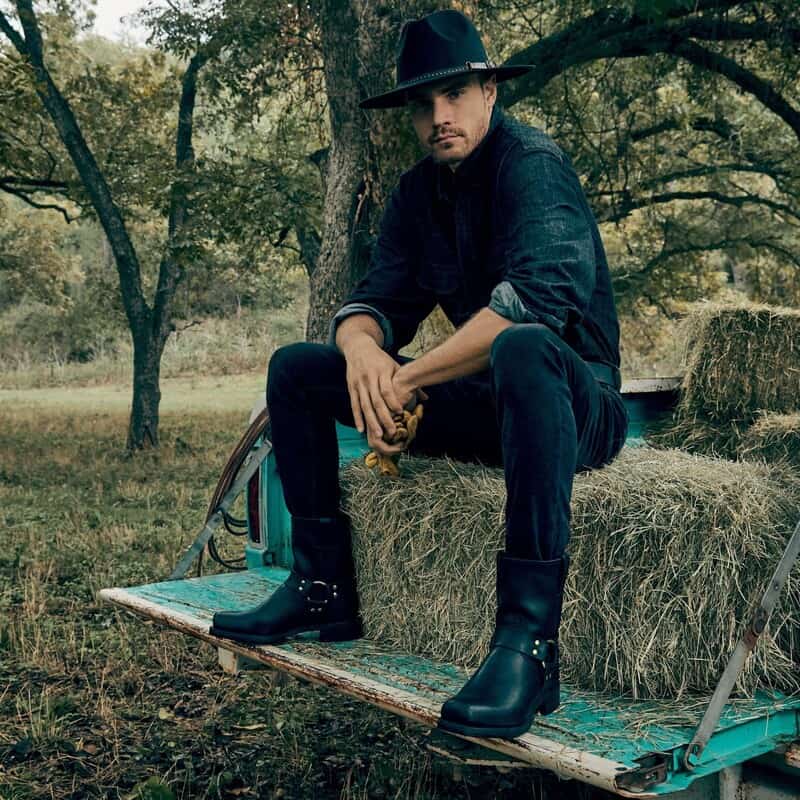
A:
{"points": [[453, 94]]}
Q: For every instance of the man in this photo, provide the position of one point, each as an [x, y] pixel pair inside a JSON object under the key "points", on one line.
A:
{"points": [[493, 226]]}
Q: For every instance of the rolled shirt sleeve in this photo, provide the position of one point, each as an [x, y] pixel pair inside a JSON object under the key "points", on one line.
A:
{"points": [[362, 308], [389, 292], [544, 242]]}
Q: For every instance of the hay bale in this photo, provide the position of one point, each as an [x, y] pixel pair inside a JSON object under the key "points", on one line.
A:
{"points": [[698, 435], [669, 552], [773, 438], [740, 360]]}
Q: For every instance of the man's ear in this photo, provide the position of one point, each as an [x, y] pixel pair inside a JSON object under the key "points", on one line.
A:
{"points": [[490, 90]]}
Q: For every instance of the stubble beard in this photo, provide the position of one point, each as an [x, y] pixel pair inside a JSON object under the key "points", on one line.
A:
{"points": [[454, 160]]}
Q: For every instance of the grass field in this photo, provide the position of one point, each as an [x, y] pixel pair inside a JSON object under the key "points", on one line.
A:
{"points": [[96, 703]]}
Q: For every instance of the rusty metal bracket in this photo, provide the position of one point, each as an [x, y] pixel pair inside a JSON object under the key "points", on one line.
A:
{"points": [[743, 649], [654, 769]]}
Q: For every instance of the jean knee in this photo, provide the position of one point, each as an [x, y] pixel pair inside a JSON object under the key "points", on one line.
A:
{"points": [[519, 348], [290, 363]]}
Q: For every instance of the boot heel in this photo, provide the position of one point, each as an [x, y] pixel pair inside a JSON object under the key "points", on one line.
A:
{"points": [[550, 699], [341, 631]]}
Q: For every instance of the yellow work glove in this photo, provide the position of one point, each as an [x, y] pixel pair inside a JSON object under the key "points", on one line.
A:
{"points": [[405, 431]]}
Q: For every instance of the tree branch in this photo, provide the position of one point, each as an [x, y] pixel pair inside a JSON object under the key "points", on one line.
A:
{"points": [[605, 35], [26, 198], [608, 31], [33, 184], [751, 83], [630, 204], [12, 35], [171, 270], [686, 249]]}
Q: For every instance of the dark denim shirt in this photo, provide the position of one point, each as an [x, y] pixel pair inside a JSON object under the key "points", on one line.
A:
{"points": [[509, 229]]}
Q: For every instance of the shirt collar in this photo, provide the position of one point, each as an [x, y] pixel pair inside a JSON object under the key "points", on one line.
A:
{"points": [[468, 171]]}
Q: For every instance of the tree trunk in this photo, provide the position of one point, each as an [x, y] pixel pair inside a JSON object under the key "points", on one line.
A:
{"points": [[358, 39], [346, 166], [309, 242], [149, 328], [143, 425]]}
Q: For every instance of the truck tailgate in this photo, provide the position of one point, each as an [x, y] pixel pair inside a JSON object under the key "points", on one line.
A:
{"points": [[610, 743]]}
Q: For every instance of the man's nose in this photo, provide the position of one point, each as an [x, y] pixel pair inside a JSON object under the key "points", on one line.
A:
{"points": [[441, 112]]}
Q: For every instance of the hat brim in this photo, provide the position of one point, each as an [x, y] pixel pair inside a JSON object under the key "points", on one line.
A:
{"points": [[397, 97]]}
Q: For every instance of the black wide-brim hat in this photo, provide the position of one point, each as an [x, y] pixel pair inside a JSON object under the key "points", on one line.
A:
{"points": [[442, 45]]}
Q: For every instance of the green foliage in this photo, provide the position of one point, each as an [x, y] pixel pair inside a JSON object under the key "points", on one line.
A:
{"points": [[695, 182], [152, 789], [36, 259]]}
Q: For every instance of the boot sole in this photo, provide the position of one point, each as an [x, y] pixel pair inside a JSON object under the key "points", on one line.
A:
{"points": [[332, 632]]}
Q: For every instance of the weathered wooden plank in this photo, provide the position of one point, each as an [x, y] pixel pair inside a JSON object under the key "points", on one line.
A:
{"points": [[566, 761], [234, 663], [642, 385], [589, 738]]}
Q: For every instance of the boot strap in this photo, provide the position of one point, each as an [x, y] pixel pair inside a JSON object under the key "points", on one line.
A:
{"points": [[317, 593], [544, 650]]}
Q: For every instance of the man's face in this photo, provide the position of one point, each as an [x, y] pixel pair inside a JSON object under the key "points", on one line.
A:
{"points": [[452, 116]]}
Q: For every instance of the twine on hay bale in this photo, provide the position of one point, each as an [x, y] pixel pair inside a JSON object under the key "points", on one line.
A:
{"points": [[773, 438], [669, 553], [740, 360]]}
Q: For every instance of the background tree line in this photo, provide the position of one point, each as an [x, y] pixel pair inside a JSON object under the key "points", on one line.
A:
{"points": [[232, 149]]}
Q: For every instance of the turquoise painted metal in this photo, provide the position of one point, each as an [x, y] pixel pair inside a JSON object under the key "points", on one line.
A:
{"points": [[275, 547]]}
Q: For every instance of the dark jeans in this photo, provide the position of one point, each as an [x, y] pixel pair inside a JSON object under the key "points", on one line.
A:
{"points": [[537, 410]]}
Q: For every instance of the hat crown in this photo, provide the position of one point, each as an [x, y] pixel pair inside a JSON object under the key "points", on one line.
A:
{"points": [[437, 43]]}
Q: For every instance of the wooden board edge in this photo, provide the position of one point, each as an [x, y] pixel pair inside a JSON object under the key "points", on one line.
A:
{"points": [[567, 762], [650, 385]]}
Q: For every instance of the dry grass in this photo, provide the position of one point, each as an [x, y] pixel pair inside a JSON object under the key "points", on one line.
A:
{"points": [[669, 552], [210, 346], [95, 703]]}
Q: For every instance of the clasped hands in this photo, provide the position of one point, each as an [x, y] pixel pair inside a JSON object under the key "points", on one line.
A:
{"points": [[381, 390]]}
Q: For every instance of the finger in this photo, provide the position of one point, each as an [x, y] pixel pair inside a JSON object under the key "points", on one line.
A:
{"points": [[389, 395], [355, 407], [381, 410], [384, 448], [374, 427]]}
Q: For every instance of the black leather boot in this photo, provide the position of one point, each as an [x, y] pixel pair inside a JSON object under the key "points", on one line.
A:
{"points": [[519, 677], [319, 595]]}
